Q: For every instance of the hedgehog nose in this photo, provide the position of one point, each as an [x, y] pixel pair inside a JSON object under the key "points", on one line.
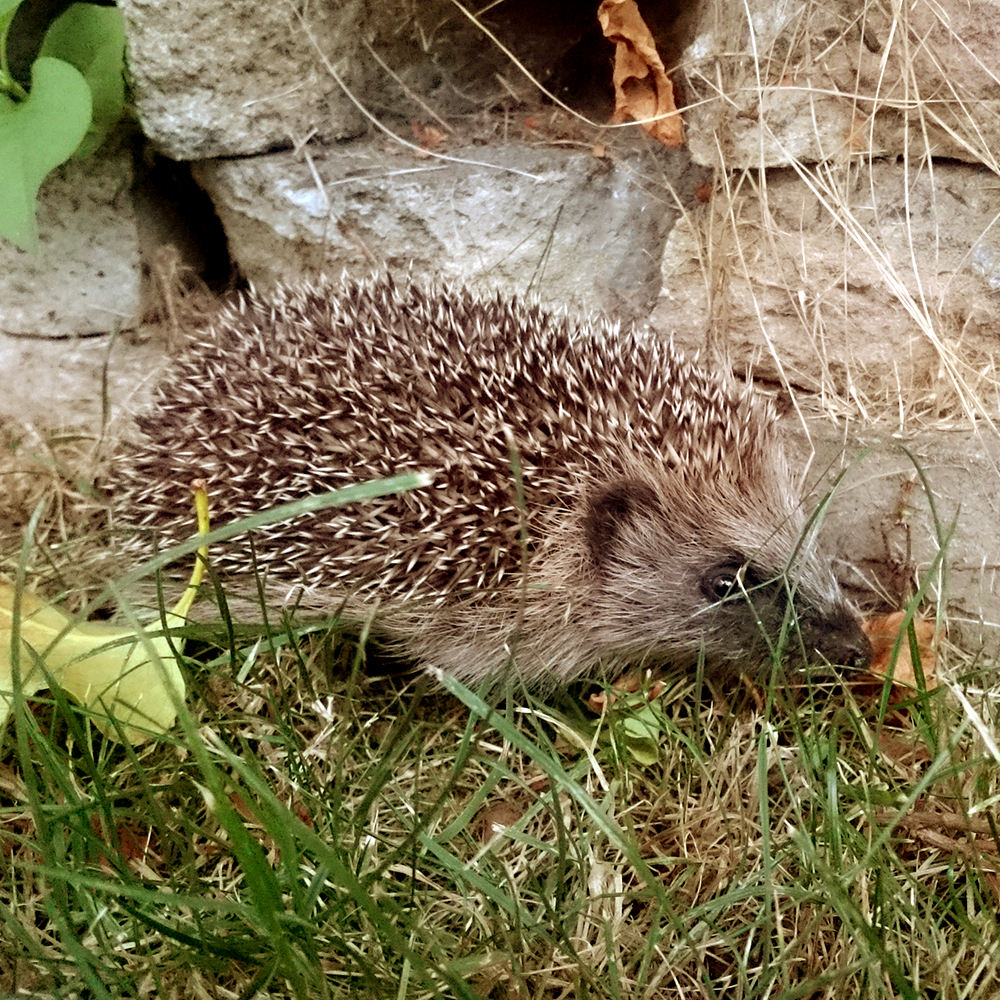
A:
{"points": [[840, 640], [858, 652], [851, 649]]}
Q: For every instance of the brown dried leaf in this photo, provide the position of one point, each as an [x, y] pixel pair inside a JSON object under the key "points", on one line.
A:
{"points": [[629, 683], [905, 750], [882, 632], [495, 819], [643, 90], [428, 136], [993, 882], [243, 808]]}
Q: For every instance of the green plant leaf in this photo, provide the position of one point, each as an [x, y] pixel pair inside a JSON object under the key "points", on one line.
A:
{"points": [[643, 731], [8, 85], [8, 8], [92, 39], [35, 137]]}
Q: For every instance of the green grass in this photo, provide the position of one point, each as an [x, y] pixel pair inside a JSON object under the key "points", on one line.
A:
{"points": [[314, 828], [306, 832]]}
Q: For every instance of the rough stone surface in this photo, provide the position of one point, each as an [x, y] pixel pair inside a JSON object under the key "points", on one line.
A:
{"points": [[85, 279], [576, 229], [850, 278], [814, 82], [63, 384], [236, 77], [889, 539]]}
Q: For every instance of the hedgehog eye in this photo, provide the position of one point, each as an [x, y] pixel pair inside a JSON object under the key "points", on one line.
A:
{"points": [[719, 584], [724, 581]]}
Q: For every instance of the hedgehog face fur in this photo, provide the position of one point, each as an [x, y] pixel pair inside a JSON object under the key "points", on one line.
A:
{"points": [[661, 521]]}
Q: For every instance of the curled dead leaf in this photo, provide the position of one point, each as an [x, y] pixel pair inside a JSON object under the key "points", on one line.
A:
{"points": [[643, 90], [883, 631], [629, 683]]}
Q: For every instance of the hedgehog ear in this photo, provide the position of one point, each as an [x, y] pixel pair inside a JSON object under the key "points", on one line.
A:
{"points": [[621, 503]]}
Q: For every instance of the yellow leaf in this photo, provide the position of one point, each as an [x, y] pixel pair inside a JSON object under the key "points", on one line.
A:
{"points": [[131, 678], [128, 676]]}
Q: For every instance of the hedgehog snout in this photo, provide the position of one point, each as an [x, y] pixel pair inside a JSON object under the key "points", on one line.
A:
{"points": [[750, 610], [836, 636]]}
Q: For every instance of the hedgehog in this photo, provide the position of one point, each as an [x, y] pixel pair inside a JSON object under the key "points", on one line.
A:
{"points": [[596, 501]]}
